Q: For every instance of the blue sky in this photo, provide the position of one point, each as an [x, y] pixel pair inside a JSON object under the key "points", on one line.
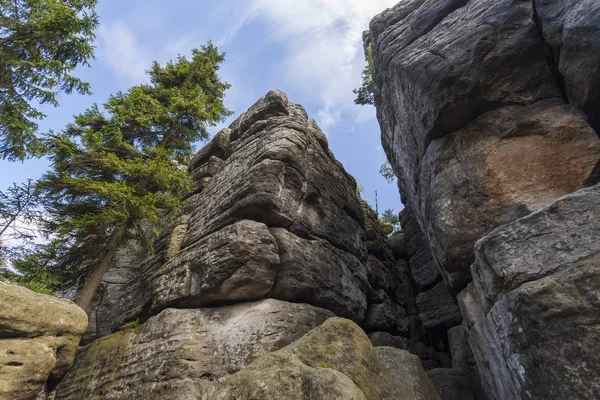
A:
{"points": [[310, 49]]}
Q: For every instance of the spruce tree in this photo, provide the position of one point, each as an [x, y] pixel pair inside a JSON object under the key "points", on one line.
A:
{"points": [[114, 168], [41, 43]]}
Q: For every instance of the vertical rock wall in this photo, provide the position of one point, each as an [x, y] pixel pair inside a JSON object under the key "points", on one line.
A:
{"points": [[489, 111], [485, 115]]}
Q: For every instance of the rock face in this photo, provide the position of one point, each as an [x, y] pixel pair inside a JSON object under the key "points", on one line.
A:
{"points": [[485, 114], [403, 377], [334, 361], [39, 335], [536, 282], [489, 111], [272, 241], [274, 215], [185, 354]]}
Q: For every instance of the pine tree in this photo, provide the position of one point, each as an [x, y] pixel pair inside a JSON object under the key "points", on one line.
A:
{"points": [[41, 43], [364, 94], [113, 169]]}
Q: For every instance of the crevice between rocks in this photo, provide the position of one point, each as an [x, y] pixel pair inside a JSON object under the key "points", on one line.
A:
{"points": [[559, 79]]}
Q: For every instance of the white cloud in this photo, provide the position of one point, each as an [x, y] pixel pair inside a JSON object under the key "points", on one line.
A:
{"points": [[119, 49], [323, 40], [129, 57]]}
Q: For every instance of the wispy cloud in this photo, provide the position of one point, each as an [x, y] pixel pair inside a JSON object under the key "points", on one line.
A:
{"points": [[130, 57], [119, 49], [323, 40]]}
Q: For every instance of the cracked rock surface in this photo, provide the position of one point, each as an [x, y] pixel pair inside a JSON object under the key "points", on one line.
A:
{"points": [[487, 112]]}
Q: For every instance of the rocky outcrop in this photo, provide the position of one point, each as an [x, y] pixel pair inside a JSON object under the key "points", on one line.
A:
{"points": [[534, 302], [272, 241], [39, 335], [334, 361], [485, 114], [273, 215], [185, 354]]}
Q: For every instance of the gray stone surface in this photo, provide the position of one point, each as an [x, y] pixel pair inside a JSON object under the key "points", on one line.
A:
{"points": [[427, 354], [437, 308], [473, 119], [541, 244], [534, 303], [451, 384], [185, 354], [403, 376], [318, 273], [387, 315], [570, 28], [238, 262]]}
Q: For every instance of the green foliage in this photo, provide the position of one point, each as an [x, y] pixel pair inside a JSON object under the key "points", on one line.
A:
{"points": [[41, 43], [387, 172], [19, 209], [134, 325], [116, 167], [34, 269], [364, 94], [325, 365], [391, 220]]}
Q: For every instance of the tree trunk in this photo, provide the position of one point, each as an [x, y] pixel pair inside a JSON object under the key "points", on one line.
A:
{"points": [[93, 281]]}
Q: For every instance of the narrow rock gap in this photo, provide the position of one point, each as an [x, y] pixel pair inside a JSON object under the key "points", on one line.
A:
{"points": [[551, 60]]}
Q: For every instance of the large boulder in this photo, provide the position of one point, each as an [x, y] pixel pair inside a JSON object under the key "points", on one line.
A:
{"points": [[475, 120], [403, 376], [533, 310], [334, 361], [39, 335], [427, 354], [185, 354]]}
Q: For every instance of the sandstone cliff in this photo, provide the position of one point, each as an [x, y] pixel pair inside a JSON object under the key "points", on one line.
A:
{"points": [[489, 111], [273, 241]]}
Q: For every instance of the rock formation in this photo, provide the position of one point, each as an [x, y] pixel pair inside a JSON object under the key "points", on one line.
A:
{"points": [[275, 280], [489, 112], [273, 241], [485, 115], [534, 302], [39, 335]]}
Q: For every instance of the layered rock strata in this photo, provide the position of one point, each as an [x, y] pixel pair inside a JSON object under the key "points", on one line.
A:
{"points": [[272, 241], [185, 353]]}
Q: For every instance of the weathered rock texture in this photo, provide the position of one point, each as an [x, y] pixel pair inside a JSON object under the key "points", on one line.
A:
{"points": [[533, 309], [273, 218], [487, 112], [334, 361], [403, 377], [273, 215], [185, 354], [39, 335]]}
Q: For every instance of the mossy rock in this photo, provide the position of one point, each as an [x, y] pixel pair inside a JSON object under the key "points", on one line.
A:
{"points": [[333, 361]]}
